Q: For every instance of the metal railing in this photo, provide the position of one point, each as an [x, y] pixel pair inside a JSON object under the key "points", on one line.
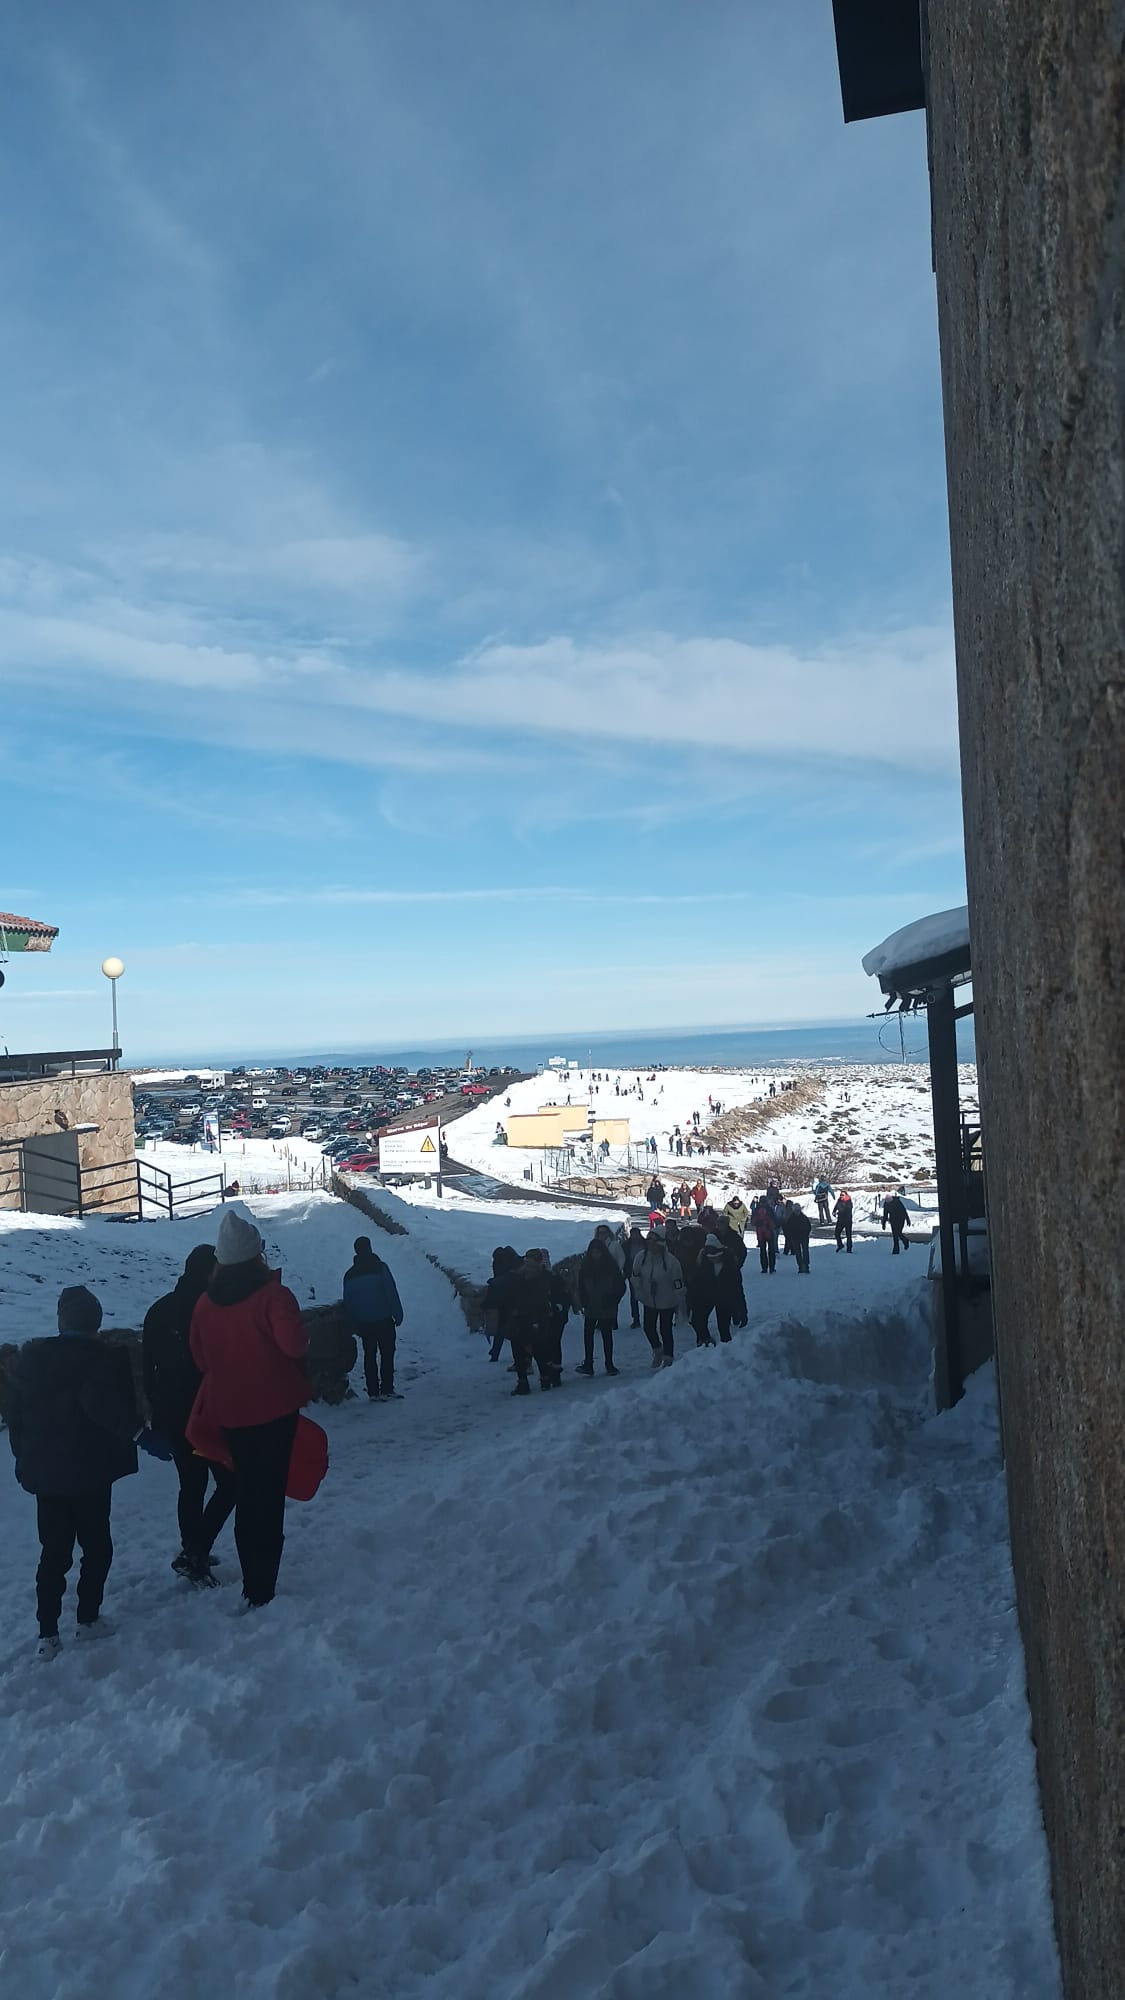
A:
{"points": [[56, 1062], [133, 1187]]}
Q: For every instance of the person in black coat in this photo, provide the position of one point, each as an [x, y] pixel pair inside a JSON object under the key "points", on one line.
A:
{"points": [[733, 1291], [843, 1214], [635, 1243], [798, 1230], [171, 1381], [601, 1287], [74, 1430], [497, 1297], [532, 1320], [897, 1214]]}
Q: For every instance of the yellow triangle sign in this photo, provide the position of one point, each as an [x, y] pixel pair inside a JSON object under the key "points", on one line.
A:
{"points": [[427, 1145]]}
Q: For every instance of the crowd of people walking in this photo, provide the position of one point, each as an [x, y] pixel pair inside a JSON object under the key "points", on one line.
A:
{"points": [[224, 1380]]}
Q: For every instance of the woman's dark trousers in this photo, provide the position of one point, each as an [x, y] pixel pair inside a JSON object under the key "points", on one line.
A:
{"points": [[199, 1524], [605, 1328], [261, 1454], [658, 1328], [699, 1319]]}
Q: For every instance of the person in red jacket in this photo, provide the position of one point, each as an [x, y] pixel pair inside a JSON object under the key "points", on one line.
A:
{"points": [[248, 1341]]}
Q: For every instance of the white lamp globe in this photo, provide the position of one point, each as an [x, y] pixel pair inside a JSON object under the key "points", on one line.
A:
{"points": [[113, 967]]}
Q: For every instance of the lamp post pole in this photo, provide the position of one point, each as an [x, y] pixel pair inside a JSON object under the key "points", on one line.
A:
{"points": [[113, 969]]}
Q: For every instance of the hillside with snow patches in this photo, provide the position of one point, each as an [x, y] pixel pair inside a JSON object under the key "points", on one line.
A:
{"points": [[704, 1682]]}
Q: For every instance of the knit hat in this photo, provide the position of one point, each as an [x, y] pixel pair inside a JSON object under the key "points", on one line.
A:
{"points": [[79, 1310], [237, 1242], [658, 1231]]}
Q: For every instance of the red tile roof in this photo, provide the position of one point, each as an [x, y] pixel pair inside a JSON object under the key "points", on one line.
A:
{"points": [[29, 925]]}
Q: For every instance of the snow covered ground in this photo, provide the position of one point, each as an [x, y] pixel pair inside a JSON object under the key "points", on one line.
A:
{"points": [[882, 1109], [260, 1166], [704, 1683]]}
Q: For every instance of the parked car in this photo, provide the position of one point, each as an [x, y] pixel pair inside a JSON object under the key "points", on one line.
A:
{"points": [[359, 1163]]}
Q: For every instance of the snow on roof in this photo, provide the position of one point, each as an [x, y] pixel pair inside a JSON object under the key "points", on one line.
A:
{"points": [[930, 937]]}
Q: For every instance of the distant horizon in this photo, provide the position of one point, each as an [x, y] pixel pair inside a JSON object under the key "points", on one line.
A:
{"points": [[579, 1044]]}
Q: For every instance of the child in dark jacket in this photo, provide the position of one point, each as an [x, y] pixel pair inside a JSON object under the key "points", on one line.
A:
{"points": [[74, 1429], [374, 1312]]}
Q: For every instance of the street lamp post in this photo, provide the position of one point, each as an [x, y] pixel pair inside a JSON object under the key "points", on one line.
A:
{"points": [[113, 968]]}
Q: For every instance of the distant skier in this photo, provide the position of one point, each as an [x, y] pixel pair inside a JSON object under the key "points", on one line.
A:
{"points": [[843, 1214], [897, 1214]]}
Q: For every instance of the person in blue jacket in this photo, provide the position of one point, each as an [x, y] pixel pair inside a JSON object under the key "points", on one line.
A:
{"points": [[374, 1313]]}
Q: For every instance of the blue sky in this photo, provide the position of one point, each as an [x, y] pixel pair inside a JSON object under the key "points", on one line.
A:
{"points": [[473, 554]]}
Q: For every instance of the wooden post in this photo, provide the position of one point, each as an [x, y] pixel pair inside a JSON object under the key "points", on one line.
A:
{"points": [[941, 1024]]}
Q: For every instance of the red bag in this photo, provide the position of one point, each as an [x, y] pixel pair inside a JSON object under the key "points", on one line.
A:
{"points": [[308, 1460]]}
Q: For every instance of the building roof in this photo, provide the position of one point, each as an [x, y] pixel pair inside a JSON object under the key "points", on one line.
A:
{"points": [[933, 951], [25, 933], [879, 50]]}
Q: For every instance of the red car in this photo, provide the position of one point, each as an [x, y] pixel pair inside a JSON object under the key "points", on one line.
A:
{"points": [[359, 1163]]}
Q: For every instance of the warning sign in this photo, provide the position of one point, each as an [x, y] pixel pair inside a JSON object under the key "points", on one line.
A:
{"points": [[414, 1149]]}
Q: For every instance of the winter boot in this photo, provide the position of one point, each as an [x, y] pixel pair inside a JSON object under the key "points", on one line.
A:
{"points": [[523, 1387], [49, 1647]]}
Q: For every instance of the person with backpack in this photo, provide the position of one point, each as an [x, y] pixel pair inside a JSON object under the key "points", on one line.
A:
{"points": [[823, 1191], [700, 1287], [843, 1215], [897, 1214], [373, 1310], [601, 1287], [659, 1284], [74, 1430], [798, 1230], [532, 1318], [732, 1291], [497, 1297], [171, 1383], [764, 1224], [248, 1341]]}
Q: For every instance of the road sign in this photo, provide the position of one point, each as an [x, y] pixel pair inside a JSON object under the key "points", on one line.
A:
{"points": [[412, 1149]]}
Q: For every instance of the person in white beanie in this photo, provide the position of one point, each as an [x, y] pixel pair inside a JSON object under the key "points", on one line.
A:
{"points": [[248, 1342]]}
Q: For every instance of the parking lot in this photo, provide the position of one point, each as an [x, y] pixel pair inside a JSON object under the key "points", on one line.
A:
{"points": [[342, 1110]]}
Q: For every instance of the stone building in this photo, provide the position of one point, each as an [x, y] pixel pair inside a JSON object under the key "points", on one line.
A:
{"points": [[1026, 138], [66, 1116]]}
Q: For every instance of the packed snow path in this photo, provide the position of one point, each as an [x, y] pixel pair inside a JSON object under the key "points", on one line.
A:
{"points": [[703, 1682]]}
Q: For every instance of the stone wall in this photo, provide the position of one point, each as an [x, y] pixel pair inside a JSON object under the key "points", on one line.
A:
{"points": [[1027, 139], [105, 1100]]}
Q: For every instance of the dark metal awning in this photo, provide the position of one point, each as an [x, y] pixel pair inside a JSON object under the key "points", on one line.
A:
{"points": [[915, 962], [879, 50]]}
